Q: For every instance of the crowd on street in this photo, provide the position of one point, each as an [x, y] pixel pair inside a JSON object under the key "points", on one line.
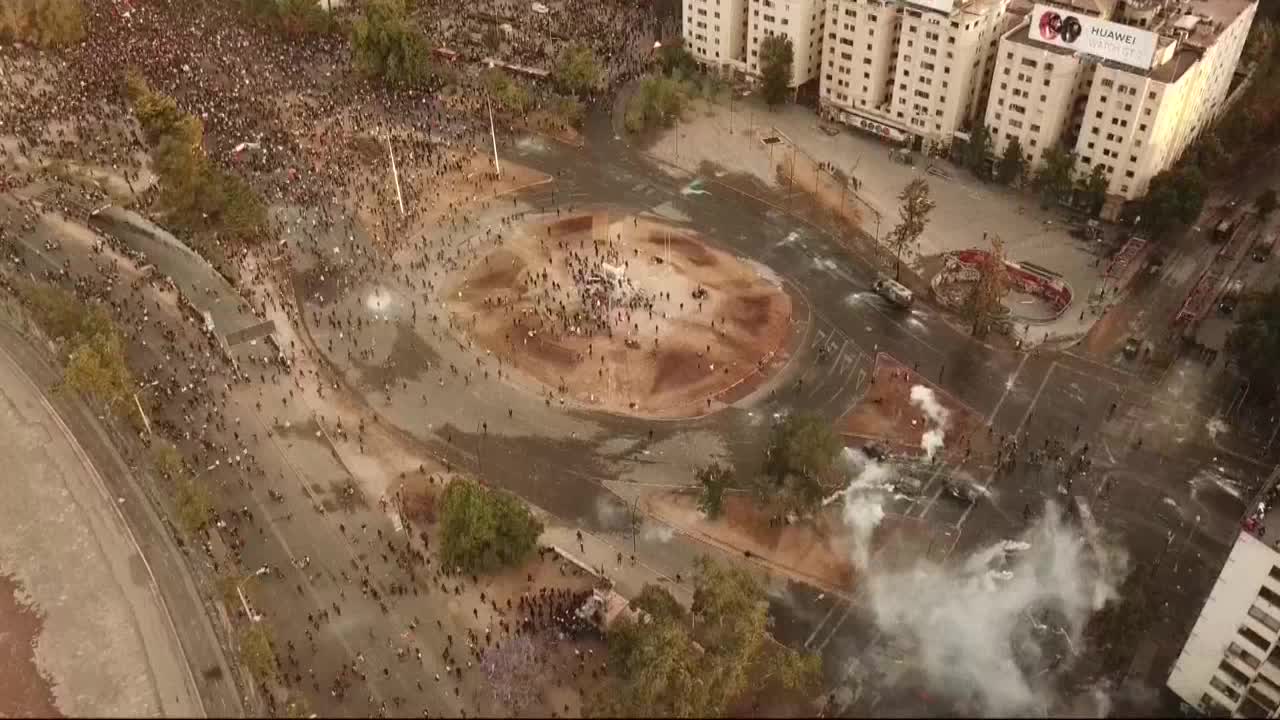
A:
{"points": [[297, 103]]}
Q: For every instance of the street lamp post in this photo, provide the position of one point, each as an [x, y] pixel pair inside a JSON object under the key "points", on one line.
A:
{"points": [[244, 603]]}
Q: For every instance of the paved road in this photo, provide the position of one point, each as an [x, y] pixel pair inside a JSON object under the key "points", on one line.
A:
{"points": [[108, 644], [561, 458]]}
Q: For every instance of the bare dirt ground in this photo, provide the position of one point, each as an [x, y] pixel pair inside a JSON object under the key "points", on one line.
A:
{"points": [[886, 414], [817, 550], [26, 691], [624, 315]]}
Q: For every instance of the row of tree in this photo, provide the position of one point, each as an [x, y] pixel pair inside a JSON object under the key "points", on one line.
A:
{"points": [[197, 196], [92, 345], [700, 662]]}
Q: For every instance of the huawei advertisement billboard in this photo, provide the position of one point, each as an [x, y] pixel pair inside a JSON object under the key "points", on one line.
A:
{"points": [[1091, 36]]}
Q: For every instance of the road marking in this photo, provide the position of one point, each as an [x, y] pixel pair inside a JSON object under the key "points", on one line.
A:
{"points": [[1025, 416], [822, 624], [836, 628], [1008, 387]]}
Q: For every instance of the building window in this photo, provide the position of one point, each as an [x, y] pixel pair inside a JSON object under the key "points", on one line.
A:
{"points": [[1268, 621], [1232, 672], [1248, 634], [1221, 686], [1028, 62], [1106, 83], [1244, 656]]}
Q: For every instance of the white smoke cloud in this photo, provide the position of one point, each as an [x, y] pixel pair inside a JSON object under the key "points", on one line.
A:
{"points": [[864, 501], [923, 398], [985, 630]]}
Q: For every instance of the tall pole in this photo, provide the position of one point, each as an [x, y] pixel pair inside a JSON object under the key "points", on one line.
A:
{"points": [[396, 174], [493, 136]]}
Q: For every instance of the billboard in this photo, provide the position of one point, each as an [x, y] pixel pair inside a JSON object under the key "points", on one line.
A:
{"points": [[944, 6], [1092, 36]]}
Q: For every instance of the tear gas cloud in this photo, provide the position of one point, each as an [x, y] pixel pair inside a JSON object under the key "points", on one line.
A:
{"points": [[924, 399], [983, 629]]}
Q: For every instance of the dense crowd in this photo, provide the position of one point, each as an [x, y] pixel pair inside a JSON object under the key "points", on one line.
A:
{"points": [[310, 119]]}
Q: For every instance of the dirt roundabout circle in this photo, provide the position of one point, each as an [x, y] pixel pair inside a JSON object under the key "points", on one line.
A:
{"points": [[625, 315]]}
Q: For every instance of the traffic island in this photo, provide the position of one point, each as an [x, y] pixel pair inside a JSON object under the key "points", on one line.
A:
{"points": [[888, 415], [622, 314]]}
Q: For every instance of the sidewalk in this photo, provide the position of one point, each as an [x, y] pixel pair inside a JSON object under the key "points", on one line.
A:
{"points": [[727, 142]]}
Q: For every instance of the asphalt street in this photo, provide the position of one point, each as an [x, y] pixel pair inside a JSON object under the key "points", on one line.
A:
{"points": [[1175, 498]]}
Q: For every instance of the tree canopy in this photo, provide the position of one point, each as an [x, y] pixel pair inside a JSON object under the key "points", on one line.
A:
{"points": [[977, 152], [658, 100], [1254, 344], [1013, 163], [1095, 189], [670, 667], [386, 45], [776, 57], [484, 530], [714, 479], [293, 18], [48, 23], [913, 215], [1173, 197], [799, 462], [577, 71], [197, 195], [1056, 176]]}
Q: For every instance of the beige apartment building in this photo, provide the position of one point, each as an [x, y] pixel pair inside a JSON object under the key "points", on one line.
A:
{"points": [[1135, 122], [909, 71], [728, 33]]}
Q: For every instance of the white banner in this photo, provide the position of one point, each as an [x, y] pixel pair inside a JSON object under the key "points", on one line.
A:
{"points": [[1091, 36]]}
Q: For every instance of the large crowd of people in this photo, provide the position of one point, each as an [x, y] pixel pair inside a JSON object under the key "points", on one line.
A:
{"points": [[311, 116]]}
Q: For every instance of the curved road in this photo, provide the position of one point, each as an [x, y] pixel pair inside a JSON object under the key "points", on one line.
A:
{"points": [[108, 643]]}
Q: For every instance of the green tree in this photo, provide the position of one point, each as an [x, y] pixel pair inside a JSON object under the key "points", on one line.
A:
{"points": [[168, 462], [1013, 163], [195, 505], [577, 71], [658, 100], [1055, 178], [776, 58], [1173, 196], [48, 23], [509, 95], [257, 653], [977, 152], [1254, 344], [96, 368], [484, 530], [1095, 189], [293, 18], [986, 300], [659, 603], [1266, 203], [913, 215], [714, 479], [675, 58], [386, 45], [799, 462], [673, 667]]}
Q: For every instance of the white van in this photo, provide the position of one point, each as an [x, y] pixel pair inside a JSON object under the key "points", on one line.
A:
{"points": [[893, 291]]}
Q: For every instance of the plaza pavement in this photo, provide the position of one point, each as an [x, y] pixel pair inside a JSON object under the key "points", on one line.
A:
{"points": [[728, 136]]}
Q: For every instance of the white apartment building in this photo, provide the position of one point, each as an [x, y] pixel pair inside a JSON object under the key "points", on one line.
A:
{"points": [[728, 33], [1134, 122], [1230, 664], [908, 70], [715, 31]]}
